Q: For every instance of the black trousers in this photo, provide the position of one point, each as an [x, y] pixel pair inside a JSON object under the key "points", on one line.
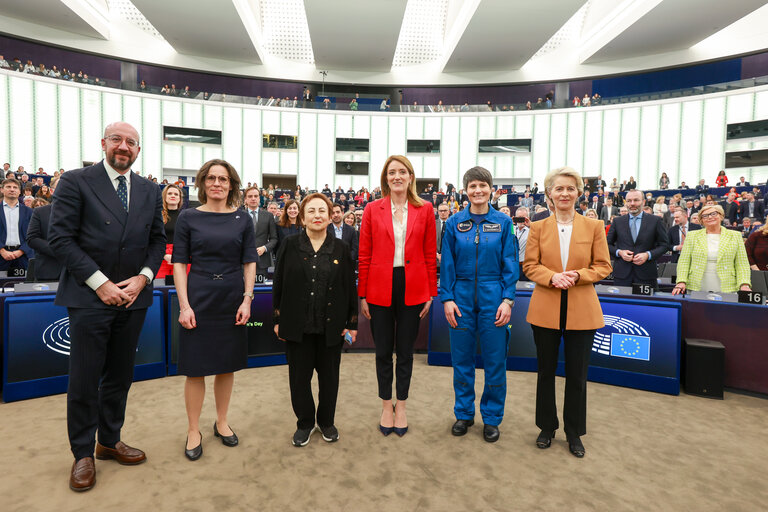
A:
{"points": [[577, 348], [394, 329], [313, 354], [101, 359]]}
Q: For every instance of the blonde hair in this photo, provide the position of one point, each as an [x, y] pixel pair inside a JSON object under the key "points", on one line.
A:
{"points": [[549, 180], [413, 197], [716, 207]]}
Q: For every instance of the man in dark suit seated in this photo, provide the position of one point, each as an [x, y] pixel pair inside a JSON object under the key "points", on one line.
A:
{"points": [[751, 208], [343, 231], [742, 182], [47, 265], [608, 211], [107, 229], [264, 227], [702, 188], [678, 232], [14, 251], [636, 241], [731, 208]]}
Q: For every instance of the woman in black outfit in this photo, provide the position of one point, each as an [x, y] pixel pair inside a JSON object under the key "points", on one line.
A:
{"points": [[172, 204], [218, 240], [315, 305], [290, 223]]}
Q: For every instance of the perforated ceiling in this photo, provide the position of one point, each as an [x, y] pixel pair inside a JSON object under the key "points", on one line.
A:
{"points": [[285, 31], [422, 33]]}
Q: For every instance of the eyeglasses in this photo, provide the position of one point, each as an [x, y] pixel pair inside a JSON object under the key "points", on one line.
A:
{"points": [[213, 179], [117, 140], [708, 215]]}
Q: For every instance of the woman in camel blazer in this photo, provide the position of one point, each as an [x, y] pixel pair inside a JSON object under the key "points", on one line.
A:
{"points": [[565, 255]]}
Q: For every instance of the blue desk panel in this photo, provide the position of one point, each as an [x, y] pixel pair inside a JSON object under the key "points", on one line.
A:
{"points": [[639, 347], [36, 346], [264, 349]]}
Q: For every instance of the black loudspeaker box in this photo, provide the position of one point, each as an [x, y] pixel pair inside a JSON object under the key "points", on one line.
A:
{"points": [[704, 368]]}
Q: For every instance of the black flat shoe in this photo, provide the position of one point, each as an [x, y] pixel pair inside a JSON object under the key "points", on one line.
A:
{"points": [[196, 452], [545, 439], [491, 433], [226, 440], [575, 446], [461, 426]]}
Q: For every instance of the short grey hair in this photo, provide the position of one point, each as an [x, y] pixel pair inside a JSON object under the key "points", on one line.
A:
{"points": [[549, 180], [477, 174], [522, 209]]}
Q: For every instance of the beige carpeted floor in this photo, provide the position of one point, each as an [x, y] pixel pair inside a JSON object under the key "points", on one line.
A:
{"points": [[645, 451]]}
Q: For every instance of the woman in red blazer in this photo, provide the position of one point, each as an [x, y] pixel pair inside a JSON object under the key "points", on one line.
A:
{"points": [[397, 280]]}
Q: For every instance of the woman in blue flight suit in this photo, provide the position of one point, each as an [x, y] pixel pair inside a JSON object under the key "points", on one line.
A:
{"points": [[479, 269]]}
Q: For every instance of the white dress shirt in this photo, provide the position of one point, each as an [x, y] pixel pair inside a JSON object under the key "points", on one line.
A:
{"points": [[98, 278], [11, 224], [399, 230], [522, 240], [564, 232]]}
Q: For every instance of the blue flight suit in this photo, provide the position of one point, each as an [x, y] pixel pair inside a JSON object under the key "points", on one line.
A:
{"points": [[479, 268]]}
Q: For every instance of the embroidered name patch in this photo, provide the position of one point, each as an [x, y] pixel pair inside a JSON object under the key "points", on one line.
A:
{"points": [[491, 228], [464, 226]]}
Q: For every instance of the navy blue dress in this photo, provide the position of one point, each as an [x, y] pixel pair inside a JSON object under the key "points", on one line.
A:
{"points": [[216, 245]]}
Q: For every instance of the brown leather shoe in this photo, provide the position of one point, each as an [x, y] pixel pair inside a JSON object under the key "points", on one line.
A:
{"points": [[122, 453], [83, 475]]}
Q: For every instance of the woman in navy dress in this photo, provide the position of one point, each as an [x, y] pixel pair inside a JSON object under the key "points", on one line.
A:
{"points": [[217, 240]]}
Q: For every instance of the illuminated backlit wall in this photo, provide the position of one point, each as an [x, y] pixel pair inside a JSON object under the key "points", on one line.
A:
{"points": [[49, 123]]}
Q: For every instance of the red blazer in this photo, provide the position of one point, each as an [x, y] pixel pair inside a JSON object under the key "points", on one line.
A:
{"points": [[377, 252]]}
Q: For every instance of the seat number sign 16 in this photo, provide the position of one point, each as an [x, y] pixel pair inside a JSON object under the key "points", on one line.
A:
{"points": [[751, 297]]}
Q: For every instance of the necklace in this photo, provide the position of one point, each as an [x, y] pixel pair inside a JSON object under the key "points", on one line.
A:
{"points": [[562, 230]]}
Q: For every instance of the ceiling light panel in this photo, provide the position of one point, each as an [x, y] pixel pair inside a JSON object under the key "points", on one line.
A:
{"points": [[131, 14], [569, 32], [285, 32], [422, 33]]}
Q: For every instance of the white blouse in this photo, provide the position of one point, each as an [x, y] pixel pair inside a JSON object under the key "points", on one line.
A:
{"points": [[399, 229], [564, 232]]}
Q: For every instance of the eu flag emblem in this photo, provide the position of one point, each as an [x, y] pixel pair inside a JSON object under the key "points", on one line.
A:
{"points": [[631, 346]]}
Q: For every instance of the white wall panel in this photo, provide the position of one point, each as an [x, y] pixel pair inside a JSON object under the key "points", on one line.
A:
{"points": [[486, 127], [69, 128], [558, 139], [610, 165], [575, 141], [326, 149], [307, 157], [211, 117], [740, 108], [92, 124], [46, 133], [252, 140], [505, 127], [172, 113], [289, 162], [151, 136], [669, 142], [361, 126], [430, 168], [270, 161], [648, 156], [540, 146], [432, 127], [503, 166], [379, 149], [396, 140], [343, 126], [192, 114], [132, 114], [415, 127], [522, 166], [22, 131], [172, 156], [417, 161], [209, 153], [713, 140], [449, 151], [232, 138], [112, 107], [690, 145], [523, 126], [5, 144], [289, 123], [761, 105], [629, 148], [468, 155], [593, 154], [192, 159]]}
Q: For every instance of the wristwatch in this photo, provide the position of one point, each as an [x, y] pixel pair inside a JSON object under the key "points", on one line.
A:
{"points": [[508, 302], [248, 294]]}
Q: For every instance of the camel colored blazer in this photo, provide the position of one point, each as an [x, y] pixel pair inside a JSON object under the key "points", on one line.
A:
{"points": [[588, 255]]}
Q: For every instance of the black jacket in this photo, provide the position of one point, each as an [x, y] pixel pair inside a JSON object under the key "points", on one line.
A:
{"points": [[349, 236], [651, 237], [47, 266], [289, 292]]}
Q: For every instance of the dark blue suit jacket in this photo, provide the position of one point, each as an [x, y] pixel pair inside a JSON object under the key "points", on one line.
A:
{"points": [[25, 213], [90, 230], [651, 237], [47, 267], [674, 238], [348, 235]]}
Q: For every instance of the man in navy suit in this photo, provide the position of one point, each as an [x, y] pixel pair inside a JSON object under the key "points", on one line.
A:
{"points": [[636, 240], [751, 208], [47, 266], [14, 251], [107, 229], [678, 232], [343, 231]]}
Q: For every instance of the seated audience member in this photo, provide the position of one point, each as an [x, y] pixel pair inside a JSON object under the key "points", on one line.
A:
{"points": [[289, 223], [695, 219], [757, 248], [608, 211], [742, 182], [702, 188], [751, 207], [15, 251], [590, 213], [678, 232], [713, 259], [659, 206], [47, 265], [684, 186], [730, 208], [342, 231], [506, 211], [522, 227]]}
